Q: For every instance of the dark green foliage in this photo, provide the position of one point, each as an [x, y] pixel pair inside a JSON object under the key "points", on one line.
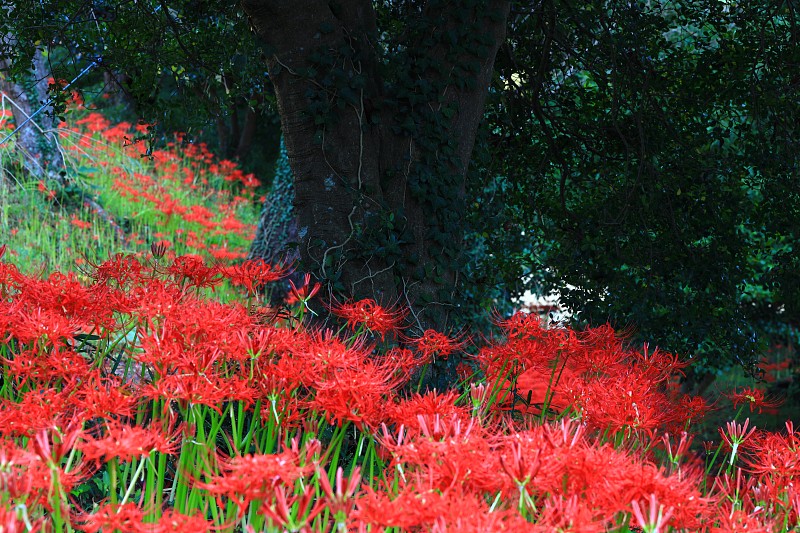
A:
{"points": [[185, 65], [655, 147]]}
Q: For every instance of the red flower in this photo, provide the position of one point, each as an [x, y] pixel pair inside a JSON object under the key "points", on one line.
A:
{"points": [[126, 443], [657, 516], [255, 477], [356, 393], [112, 517], [98, 397], [341, 501], [433, 343], [293, 513], [253, 274], [204, 388], [192, 269], [369, 314], [755, 398], [406, 413], [736, 435], [121, 268], [776, 457], [569, 513], [303, 294]]}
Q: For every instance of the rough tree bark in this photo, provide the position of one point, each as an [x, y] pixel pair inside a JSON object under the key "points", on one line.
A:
{"points": [[360, 167], [37, 140]]}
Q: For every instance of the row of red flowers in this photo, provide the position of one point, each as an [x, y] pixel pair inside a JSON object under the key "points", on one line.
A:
{"points": [[195, 415]]}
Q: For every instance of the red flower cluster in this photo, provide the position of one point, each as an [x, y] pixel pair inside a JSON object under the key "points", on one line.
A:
{"points": [[200, 416], [253, 274], [369, 314]]}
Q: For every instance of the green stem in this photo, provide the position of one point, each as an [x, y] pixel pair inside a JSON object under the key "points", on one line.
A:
{"points": [[112, 477], [132, 484]]}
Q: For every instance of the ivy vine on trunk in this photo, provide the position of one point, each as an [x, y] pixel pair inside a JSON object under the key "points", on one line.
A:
{"points": [[379, 126]]}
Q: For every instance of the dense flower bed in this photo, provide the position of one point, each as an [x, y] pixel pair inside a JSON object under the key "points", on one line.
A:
{"points": [[134, 403]]}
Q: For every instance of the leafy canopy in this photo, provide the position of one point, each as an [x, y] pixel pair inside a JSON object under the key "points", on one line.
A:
{"points": [[639, 158]]}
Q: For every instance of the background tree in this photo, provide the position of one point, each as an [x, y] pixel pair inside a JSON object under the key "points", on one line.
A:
{"points": [[25, 96], [637, 157], [652, 147]]}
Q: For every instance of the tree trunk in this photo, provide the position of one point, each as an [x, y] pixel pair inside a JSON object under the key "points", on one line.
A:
{"points": [[379, 142], [37, 140], [247, 135]]}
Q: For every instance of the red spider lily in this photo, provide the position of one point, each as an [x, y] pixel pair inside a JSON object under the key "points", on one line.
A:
{"points": [[43, 328], [32, 476], [157, 302], [357, 394], [130, 518], [369, 314], [569, 513], [25, 477], [52, 446], [404, 360], [253, 274], [676, 456], [174, 522], [522, 324], [738, 520], [419, 507], [755, 399], [341, 501], [406, 413], [293, 513], [736, 435], [539, 385], [526, 459], [303, 294], [776, 457], [159, 248], [433, 343], [658, 366], [478, 393], [520, 467], [205, 388], [619, 403], [12, 522], [771, 370], [123, 269], [64, 296], [95, 122], [37, 409], [254, 477], [126, 443], [102, 397], [449, 452], [193, 270], [465, 371], [43, 368], [637, 480], [691, 408], [411, 508], [322, 354], [78, 223], [736, 488], [42, 187], [656, 518]]}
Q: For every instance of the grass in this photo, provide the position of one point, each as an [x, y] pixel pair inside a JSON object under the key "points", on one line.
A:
{"points": [[181, 195]]}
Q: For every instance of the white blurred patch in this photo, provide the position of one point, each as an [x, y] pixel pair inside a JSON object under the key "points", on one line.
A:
{"points": [[546, 306]]}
